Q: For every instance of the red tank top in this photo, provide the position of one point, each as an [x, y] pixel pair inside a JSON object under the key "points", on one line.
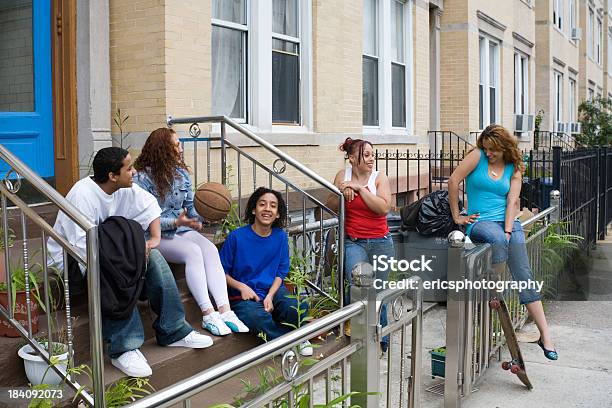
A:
{"points": [[360, 221]]}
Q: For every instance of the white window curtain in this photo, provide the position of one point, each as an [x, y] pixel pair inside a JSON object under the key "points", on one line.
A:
{"points": [[370, 63], [229, 50], [572, 101], [521, 88], [558, 98], [589, 34], [598, 40], [285, 62]]}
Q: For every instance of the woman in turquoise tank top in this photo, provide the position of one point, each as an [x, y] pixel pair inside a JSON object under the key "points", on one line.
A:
{"points": [[493, 174]]}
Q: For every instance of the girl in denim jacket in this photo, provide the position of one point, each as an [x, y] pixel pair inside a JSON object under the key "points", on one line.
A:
{"points": [[163, 173]]}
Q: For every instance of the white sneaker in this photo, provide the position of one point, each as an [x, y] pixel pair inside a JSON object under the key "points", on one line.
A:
{"points": [[233, 322], [306, 349], [193, 340], [214, 324], [133, 364]]}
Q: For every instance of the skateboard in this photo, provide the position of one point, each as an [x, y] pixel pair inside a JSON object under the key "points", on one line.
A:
{"points": [[517, 364]]}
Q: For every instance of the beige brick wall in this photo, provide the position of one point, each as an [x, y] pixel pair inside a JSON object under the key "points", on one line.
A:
{"points": [[337, 60], [138, 84], [420, 46]]}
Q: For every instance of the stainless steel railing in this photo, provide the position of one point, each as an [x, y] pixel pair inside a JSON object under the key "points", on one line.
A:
{"points": [[9, 189], [356, 366], [231, 159]]}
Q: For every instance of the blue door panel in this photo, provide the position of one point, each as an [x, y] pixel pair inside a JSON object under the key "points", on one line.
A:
{"points": [[29, 135]]}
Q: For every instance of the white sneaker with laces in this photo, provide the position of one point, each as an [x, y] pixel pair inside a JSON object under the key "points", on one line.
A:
{"points": [[306, 349], [133, 364], [193, 340], [233, 322], [214, 324]]}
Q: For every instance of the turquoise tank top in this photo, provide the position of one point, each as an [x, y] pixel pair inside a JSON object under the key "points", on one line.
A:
{"points": [[485, 195]]}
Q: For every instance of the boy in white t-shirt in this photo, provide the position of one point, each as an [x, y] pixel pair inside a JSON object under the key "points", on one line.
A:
{"points": [[110, 192]]}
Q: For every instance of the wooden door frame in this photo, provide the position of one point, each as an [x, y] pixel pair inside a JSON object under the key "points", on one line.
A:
{"points": [[66, 152]]}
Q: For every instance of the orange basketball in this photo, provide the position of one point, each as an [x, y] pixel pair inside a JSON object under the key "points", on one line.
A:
{"points": [[212, 201]]}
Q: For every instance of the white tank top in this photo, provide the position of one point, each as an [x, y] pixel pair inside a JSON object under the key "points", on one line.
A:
{"points": [[348, 174]]}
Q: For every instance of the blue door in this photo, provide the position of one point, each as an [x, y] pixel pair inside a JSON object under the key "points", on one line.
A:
{"points": [[26, 110]]}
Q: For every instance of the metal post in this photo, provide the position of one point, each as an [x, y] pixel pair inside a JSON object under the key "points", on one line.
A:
{"points": [[555, 201], [455, 311], [365, 365], [557, 168], [416, 359], [223, 154], [95, 320]]}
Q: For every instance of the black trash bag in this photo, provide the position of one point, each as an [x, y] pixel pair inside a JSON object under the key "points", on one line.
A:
{"points": [[410, 215], [435, 217]]}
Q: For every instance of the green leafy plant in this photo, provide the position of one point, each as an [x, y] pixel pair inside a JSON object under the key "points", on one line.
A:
{"points": [[11, 239], [538, 120], [596, 122], [18, 283], [120, 121], [233, 220]]}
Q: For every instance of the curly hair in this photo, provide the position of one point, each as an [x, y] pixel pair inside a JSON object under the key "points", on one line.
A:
{"points": [[160, 158], [249, 217], [108, 160], [352, 146], [500, 139]]}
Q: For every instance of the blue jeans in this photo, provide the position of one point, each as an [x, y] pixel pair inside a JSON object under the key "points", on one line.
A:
{"points": [[363, 250], [253, 314], [514, 251], [170, 325]]}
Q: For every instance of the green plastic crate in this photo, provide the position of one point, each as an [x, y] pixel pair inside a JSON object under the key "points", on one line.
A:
{"points": [[438, 362]]}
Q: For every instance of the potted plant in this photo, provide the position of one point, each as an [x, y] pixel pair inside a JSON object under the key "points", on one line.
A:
{"points": [[37, 369], [19, 304], [438, 362]]}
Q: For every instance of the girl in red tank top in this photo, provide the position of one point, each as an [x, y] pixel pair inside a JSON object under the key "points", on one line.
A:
{"points": [[367, 201]]}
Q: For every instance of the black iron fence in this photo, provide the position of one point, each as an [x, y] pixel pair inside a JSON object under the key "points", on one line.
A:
{"points": [[583, 176]]}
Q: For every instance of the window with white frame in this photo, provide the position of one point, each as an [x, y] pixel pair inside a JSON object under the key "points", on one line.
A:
{"points": [[370, 63], [521, 88], [598, 40], [572, 15], [488, 89], [558, 14], [558, 78], [590, 94], [285, 62], [589, 33], [229, 58], [571, 105], [398, 65], [387, 83]]}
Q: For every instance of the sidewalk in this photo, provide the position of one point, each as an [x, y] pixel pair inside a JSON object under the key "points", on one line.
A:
{"points": [[582, 331]]}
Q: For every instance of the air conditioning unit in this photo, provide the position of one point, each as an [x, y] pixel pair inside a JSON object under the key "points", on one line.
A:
{"points": [[523, 123], [576, 34], [561, 127], [575, 127]]}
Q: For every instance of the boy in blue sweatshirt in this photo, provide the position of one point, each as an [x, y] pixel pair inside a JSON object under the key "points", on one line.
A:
{"points": [[256, 261]]}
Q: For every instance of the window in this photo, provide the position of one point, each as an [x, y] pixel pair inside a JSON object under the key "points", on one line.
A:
{"points": [[398, 65], [489, 82], [387, 83], [590, 26], [571, 106], [572, 15], [521, 88], [558, 14], [598, 40], [229, 58], [609, 68], [591, 94], [285, 62], [370, 63], [558, 78]]}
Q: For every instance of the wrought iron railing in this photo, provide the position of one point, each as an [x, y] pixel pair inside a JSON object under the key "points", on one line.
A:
{"points": [[17, 175]]}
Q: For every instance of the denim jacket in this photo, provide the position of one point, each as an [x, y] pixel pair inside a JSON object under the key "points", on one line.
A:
{"points": [[180, 196]]}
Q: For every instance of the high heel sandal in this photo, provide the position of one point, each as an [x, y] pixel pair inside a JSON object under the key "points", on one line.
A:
{"points": [[549, 354]]}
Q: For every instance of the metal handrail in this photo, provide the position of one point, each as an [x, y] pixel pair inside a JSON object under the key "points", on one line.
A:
{"points": [[21, 171], [262, 142], [222, 371]]}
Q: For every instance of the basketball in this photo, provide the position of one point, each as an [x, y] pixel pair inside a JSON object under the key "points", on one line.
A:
{"points": [[212, 201]]}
